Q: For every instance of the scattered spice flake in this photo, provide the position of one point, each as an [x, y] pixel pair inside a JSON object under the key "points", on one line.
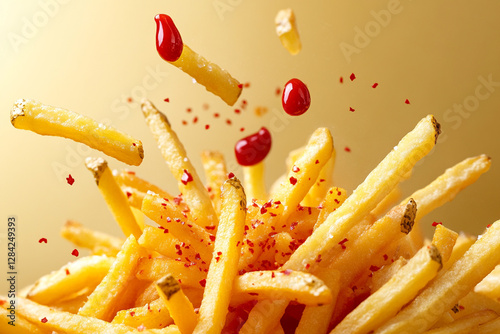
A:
{"points": [[342, 242], [240, 85], [189, 109], [142, 327], [186, 177], [488, 226], [230, 175], [75, 252], [277, 92], [203, 282], [2, 302], [347, 149], [42, 240], [259, 111], [273, 275], [407, 101], [287, 272], [132, 313], [247, 84], [228, 121], [212, 238], [207, 126], [386, 257], [375, 85], [293, 180], [205, 106], [341, 80], [195, 119], [318, 259], [128, 193], [316, 162], [242, 129], [44, 320], [374, 268], [167, 100], [210, 228], [216, 115], [70, 180], [352, 76], [352, 109], [67, 271], [184, 122], [295, 169], [237, 111], [308, 266], [436, 224], [130, 100]]}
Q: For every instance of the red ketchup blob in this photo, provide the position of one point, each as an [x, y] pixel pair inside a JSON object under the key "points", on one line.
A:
{"points": [[254, 148], [168, 39], [296, 98]]}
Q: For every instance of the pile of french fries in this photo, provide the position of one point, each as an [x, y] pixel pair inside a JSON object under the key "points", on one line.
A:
{"points": [[303, 257]]}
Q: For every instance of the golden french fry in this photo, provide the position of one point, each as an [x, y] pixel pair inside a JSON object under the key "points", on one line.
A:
{"points": [[158, 240], [15, 324], [333, 199], [103, 303], [392, 296], [190, 185], [474, 302], [99, 243], [380, 182], [319, 189], [253, 178], [388, 202], [216, 173], [467, 324], [224, 266], [155, 268], [445, 291], [179, 306], [444, 239], [51, 121], [114, 197], [86, 272], [73, 303], [286, 28], [490, 285], [382, 276], [152, 315], [490, 327]]}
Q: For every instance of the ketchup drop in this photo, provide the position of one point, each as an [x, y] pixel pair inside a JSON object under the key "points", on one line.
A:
{"points": [[254, 148], [168, 39], [296, 98]]}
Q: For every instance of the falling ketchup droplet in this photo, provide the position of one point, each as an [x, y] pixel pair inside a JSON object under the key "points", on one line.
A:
{"points": [[168, 39], [254, 148], [296, 98]]}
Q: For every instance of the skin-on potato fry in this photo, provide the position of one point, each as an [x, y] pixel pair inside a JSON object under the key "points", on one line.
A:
{"points": [[114, 197], [179, 306], [85, 272], [216, 173], [380, 182], [467, 324], [286, 28], [99, 243], [445, 291], [51, 121], [224, 266], [190, 185], [444, 239]]}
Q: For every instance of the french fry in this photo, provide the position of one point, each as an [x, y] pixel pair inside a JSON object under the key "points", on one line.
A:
{"points": [[158, 240], [179, 306], [105, 300], [388, 202], [86, 272], [51, 121], [224, 266], [334, 198], [157, 209], [99, 243], [474, 302], [490, 285], [253, 180], [445, 291], [323, 183], [467, 324], [18, 325], [490, 327], [156, 268], [190, 185], [297, 286], [382, 276], [392, 296], [114, 197], [286, 28], [73, 303], [152, 315], [380, 182], [444, 239], [216, 173]]}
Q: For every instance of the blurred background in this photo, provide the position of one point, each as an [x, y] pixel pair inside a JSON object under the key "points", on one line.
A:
{"points": [[99, 59]]}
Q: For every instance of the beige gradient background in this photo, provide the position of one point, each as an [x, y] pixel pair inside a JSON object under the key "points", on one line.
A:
{"points": [[90, 56]]}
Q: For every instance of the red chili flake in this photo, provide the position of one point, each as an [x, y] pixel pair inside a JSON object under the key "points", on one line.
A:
{"points": [[341, 80], [287, 272], [210, 228], [141, 327], [237, 111], [130, 100], [203, 282], [308, 266], [70, 180], [128, 193], [44, 320], [67, 271], [407, 101], [461, 307], [195, 120], [247, 84], [341, 243], [375, 85], [318, 259], [42, 240], [488, 226], [132, 313], [352, 77], [75, 252], [436, 224], [207, 126], [186, 177], [316, 162], [240, 86], [253, 293], [184, 122], [228, 121], [374, 268], [352, 109], [166, 100], [295, 169], [189, 109], [386, 257], [354, 288], [293, 225], [273, 275], [212, 238], [242, 129], [347, 149], [2, 302], [230, 175], [277, 91], [293, 180]]}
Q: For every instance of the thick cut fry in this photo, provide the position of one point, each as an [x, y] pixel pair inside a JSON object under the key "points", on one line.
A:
{"points": [[287, 31], [157, 209], [388, 202], [301, 287], [52, 121], [179, 306], [156, 268], [159, 240], [445, 291], [490, 285], [152, 315], [99, 243], [253, 178], [392, 296], [216, 173], [466, 324], [15, 324], [224, 266], [463, 243], [444, 239], [215, 79], [380, 182], [474, 302], [315, 319], [103, 303], [383, 275], [333, 199], [114, 197], [190, 185], [86, 272], [491, 327], [319, 189]]}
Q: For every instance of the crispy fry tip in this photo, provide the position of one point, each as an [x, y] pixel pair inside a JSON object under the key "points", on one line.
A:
{"points": [[437, 127], [149, 110], [17, 110], [96, 166]]}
